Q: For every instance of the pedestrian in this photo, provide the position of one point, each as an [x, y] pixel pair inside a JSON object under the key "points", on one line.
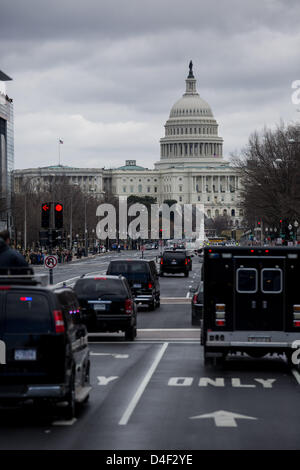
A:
{"points": [[9, 258]]}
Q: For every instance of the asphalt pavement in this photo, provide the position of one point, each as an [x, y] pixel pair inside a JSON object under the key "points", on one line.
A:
{"points": [[156, 393]]}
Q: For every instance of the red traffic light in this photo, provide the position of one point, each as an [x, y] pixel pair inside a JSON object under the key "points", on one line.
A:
{"points": [[58, 207], [45, 207], [258, 223], [280, 221]]}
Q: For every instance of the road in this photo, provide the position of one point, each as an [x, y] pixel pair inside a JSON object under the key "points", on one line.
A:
{"points": [[156, 393]]}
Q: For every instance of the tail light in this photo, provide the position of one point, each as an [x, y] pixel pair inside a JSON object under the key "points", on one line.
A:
{"points": [[195, 298], [59, 321], [161, 261], [150, 285], [186, 261], [4, 287], [296, 315], [220, 314], [128, 306]]}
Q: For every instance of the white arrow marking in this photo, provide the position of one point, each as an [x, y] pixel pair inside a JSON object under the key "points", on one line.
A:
{"points": [[224, 419], [102, 380]]}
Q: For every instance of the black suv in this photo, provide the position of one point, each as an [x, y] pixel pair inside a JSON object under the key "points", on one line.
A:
{"points": [[47, 356], [174, 262], [107, 304], [197, 304], [142, 277]]}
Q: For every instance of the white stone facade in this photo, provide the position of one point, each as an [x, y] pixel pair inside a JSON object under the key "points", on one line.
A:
{"points": [[191, 168]]}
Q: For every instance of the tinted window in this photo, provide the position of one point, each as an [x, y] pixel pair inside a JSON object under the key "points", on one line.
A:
{"points": [[177, 256], [246, 280], [271, 280], [27, 313], [99, 287]]}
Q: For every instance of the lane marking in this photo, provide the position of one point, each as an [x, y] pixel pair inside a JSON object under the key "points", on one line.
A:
{"points": [[116, 356], [64, 422], [296, 375], [103, 380], [149, 341], [224, 419], [131, 407]]}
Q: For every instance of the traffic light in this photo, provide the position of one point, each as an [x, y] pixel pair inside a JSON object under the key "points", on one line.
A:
{"points": [[58, 215], [46, 211]]}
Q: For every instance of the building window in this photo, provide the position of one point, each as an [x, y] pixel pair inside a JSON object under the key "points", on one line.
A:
{"points": [[140, 188], [148, 189], [199, 198], [131, 189], [180, 198], [180, 188], [124, 189], [233, 213], [155, 189]]}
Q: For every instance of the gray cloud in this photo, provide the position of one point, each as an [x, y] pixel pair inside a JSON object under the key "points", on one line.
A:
{"points": [[104, 74]]}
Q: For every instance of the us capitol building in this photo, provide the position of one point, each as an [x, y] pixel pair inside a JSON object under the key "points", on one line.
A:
{"points": [[191, 168]]}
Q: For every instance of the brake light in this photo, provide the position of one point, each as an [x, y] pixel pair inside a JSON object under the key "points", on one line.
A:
{"points": [[102, 278], [161, 261], [186, 261], [195, 298], [150, 285], [220, 314], [297, 323], [128, 306], [4, 287], [296, 315], [59, 321], [252, 251]]}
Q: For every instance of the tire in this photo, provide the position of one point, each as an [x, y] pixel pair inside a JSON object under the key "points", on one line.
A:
{"points": [[130, 333], [186, 274], [152, 306], [70, 410]]}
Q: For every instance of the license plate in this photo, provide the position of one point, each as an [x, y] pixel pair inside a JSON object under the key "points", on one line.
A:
{"points": [[137, 286], [259, 339], [99, 307], [25, 355], [174, 262]]}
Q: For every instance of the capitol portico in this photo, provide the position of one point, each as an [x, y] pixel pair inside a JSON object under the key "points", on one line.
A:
{"points": [[191, 168]]}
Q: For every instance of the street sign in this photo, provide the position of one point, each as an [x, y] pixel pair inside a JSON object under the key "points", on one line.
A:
{"points": [[223, 419], [50, 261]]}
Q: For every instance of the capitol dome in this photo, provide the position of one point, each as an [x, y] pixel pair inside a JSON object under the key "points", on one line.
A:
{"points": [[191, 105], [191, 132]]}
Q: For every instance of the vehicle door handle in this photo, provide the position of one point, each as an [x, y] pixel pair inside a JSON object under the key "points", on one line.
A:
{"points": [[265, 304], [253, 304]]}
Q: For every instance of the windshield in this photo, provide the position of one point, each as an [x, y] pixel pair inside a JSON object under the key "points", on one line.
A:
{"points": [[99, 287]]}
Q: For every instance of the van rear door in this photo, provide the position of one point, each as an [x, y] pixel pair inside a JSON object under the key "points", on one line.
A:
{"points": [[34, 352], [259, 293]]}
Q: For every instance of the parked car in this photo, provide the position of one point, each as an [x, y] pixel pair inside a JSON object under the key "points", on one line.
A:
{"points": [[47, 356], [175, 262], [142, 277], [197, 305], [107, 304]]}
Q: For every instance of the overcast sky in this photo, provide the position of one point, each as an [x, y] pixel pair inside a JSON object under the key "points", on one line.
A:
{"points": [[103, 75]]}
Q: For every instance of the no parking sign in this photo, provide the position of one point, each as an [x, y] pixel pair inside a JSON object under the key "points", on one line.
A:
{"points": [[50, 261]]}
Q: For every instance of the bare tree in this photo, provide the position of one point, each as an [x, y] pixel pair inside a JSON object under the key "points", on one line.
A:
{"points": [[270, 170]]}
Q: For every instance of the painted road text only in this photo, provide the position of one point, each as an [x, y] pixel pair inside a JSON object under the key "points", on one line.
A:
{"points": [[219, 382]]}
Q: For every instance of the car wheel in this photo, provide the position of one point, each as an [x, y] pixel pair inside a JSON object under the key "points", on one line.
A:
{"points": [[130, 333], [69, 411]]}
